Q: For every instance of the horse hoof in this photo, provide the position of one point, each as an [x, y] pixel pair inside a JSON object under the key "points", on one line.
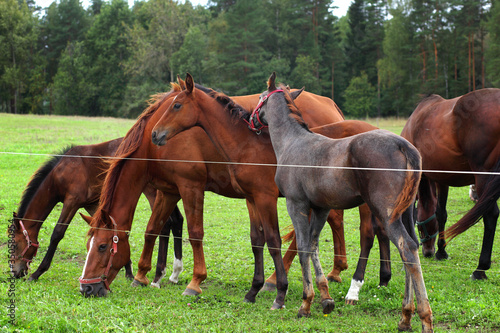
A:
{"points": [[479, 275], [303, 314], [31, 278], [137, 283], [268, 286], [334, 278], [441, 255], [129, 277], [403, 327], [248, 300], [155, 285], [277, 306], [328, 305], [351, 301], [190, 292]]}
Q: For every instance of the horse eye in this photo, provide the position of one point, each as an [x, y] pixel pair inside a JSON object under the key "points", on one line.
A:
{"points": [[177, 106], [102, 247]]}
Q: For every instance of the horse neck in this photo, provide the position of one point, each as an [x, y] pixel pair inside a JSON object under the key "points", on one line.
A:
{"points": [[40, 206], [122, 195], [228, 133], [283, 129]]}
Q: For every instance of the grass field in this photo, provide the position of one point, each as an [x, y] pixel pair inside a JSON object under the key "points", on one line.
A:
{"points": [[54, 303]]}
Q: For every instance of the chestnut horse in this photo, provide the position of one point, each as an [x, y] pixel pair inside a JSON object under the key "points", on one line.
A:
{"points": [[219, 118], [460, 135], [73, 177], [179, 179]]}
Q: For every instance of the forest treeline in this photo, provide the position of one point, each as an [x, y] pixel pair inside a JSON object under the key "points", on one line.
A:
{"points": [[378, 60]]}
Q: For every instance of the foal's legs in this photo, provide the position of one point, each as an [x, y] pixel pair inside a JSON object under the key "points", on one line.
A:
{"points": [[408, 249]]}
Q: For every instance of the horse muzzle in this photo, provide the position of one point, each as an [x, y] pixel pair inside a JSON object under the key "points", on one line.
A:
{"points": [[93, 289], [159, 138]]}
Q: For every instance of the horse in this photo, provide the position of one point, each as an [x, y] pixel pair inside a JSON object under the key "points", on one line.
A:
{"points": [[181, 180], [194, 108], [461, 135], [369, 226], [73, 177]]}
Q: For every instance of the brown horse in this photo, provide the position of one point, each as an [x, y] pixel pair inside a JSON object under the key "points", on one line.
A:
{"points": [[179, 179], [460, 135], [73, 177], [220, 118]]}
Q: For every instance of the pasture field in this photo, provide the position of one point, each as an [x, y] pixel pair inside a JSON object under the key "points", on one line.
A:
{"points": [[54, 303]]}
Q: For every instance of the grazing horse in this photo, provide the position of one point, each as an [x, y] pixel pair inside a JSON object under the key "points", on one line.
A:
{"points": [[461, 135], [188, 181], [73, 177], [317, 174], [388, 194]]}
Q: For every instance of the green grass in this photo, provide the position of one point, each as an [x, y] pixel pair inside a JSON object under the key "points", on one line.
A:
{"points": [[55, 304]]}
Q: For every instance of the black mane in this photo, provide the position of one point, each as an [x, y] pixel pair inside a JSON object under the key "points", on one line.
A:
{"points": [[234, 109], [37, 179]]}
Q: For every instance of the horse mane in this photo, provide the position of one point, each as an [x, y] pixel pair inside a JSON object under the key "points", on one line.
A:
{"points": [[234, 109], [131, 142], [37, 179], [295, 113]]}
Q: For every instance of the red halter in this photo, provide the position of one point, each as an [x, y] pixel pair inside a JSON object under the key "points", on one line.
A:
{"points": [[29, 244], [255, 116], [113, 250]]}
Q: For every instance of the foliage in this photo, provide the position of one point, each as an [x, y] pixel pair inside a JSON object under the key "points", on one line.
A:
{"points": [[360, 97], [118, 56]]}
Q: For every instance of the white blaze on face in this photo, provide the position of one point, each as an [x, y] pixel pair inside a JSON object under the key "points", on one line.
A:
{"points": [[88, 253]]}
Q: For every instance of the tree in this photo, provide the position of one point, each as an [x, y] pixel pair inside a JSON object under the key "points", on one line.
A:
{"points": [[19, 59], [493, 53], [360, 97]]}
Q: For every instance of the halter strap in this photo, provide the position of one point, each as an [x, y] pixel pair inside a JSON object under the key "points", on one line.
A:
{"points": [[255, 116], [422, 224], [114, 249], [29, 244]]}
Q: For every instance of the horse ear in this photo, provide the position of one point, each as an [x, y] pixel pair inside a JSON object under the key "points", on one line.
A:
{"points": [[86, 218], [181, 82], [295, 94], [271, 84], [189, 83]]}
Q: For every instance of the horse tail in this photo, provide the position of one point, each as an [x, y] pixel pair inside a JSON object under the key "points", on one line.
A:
{"points": [[414, 169], [487, 199], [289, 236]]}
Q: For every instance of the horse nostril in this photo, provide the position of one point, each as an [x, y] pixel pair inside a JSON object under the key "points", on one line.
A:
{"points": [[154, 135], [86, 290]]}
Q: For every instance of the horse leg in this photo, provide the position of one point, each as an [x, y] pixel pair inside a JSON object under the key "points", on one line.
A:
{"points": [[291, 252], [161, 262], [176, 224], [317, 222], [408, 250], [267, 210], [367, 237], [193, 199], [490, 223], [258, 241], [385, 251], [163, 207], [441, 216], [68, 212], [336, 221], [298, 212]]}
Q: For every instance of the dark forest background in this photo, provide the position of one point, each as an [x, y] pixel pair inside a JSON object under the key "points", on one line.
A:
{"points": [[378, 60]]}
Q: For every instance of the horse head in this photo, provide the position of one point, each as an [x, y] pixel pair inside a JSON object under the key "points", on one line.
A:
{"points": [[22, 248], [108, 251]]}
